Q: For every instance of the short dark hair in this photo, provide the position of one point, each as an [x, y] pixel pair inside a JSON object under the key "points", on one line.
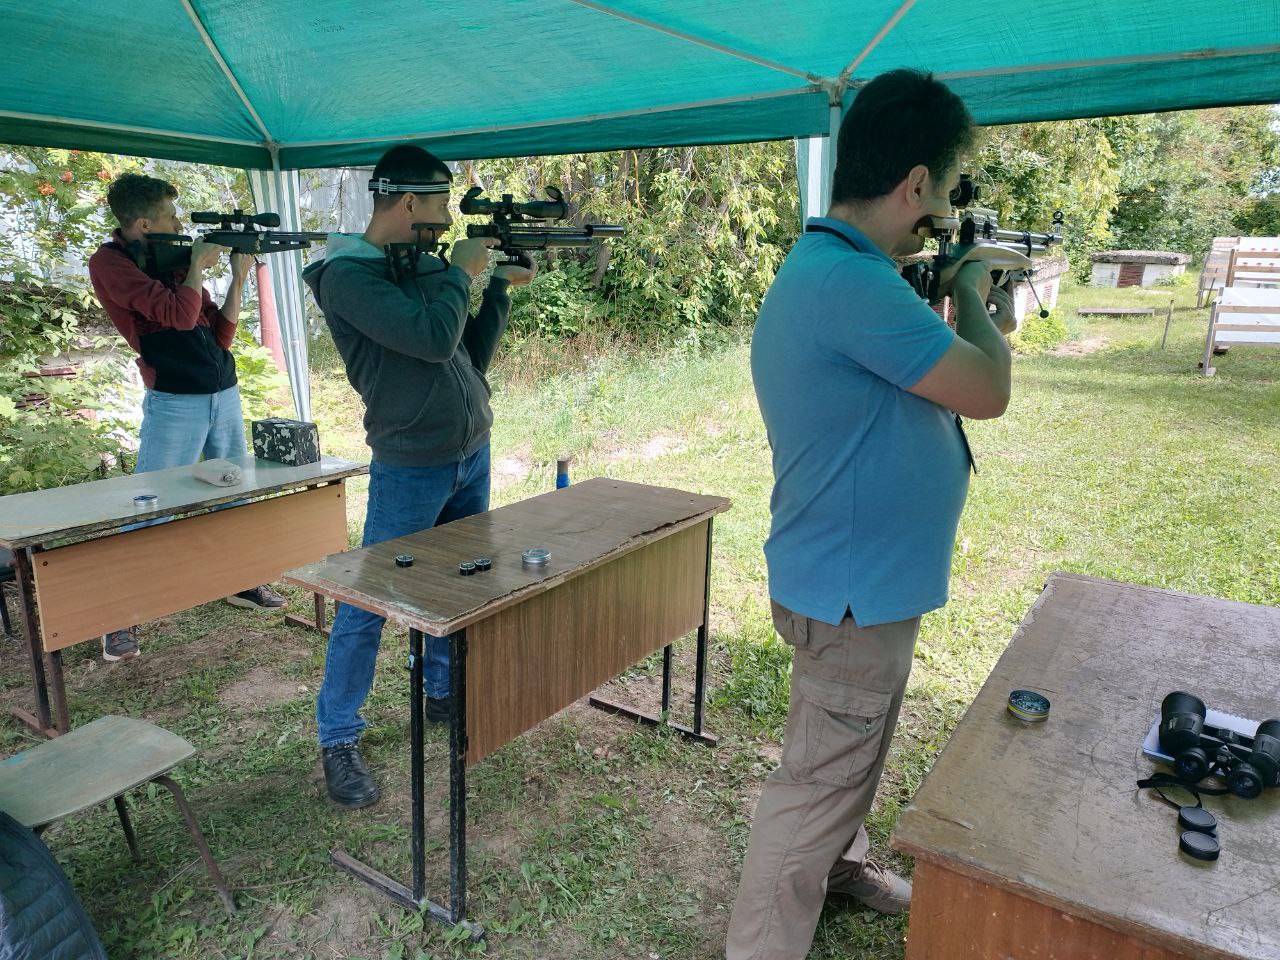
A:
{"points": [[900, 120], [407, 164], [135, 195]]}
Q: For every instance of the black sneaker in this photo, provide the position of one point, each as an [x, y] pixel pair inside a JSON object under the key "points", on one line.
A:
{"points": [[120, 644], [259, 598], [348, 779], [438, 709]]}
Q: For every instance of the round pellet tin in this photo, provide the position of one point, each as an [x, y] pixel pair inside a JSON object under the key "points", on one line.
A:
{"points": [[1029, 706], [483, 563], [404, 560], [145, 501], [535, 557]]}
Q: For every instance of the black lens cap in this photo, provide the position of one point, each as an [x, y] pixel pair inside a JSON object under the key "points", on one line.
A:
{"points": [[1197, 820], [1201, 846], [404, 560]]}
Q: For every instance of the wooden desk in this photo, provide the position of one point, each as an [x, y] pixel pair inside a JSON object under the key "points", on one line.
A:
{"points": [[629, 573], [82, 574], [1031, 840]]}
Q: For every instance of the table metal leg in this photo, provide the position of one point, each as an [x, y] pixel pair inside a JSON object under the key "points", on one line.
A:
{"points": [[458, 776], [415, 899], [695, 733], [43, 722], [417, 816], [700, 668], [58, 686], [320, 621]]}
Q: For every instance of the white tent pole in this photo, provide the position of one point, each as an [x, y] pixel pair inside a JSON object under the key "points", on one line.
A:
{"points": [[816, 162], [286, 279]]}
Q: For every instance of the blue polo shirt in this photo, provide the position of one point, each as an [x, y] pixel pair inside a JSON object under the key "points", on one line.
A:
{"points": [[869, 480]]}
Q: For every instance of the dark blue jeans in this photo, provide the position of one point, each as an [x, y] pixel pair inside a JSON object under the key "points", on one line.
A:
{"points": [[402, 500]]}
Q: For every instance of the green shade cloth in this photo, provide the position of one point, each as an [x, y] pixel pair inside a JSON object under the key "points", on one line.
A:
{"points": [[333, 82]]}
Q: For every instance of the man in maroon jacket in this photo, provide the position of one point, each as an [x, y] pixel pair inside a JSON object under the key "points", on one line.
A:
{"points": [[192, 405]]}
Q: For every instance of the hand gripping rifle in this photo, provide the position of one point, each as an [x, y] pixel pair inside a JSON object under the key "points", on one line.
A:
{"points": [[965, 234], [166, 252], [521, 227]]}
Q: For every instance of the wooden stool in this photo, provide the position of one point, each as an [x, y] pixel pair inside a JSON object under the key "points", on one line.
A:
{"points": [[100, 761]]}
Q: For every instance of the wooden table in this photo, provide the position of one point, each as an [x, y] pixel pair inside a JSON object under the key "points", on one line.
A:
{"points": [[629, 573], [81, 573], [1031, 840]]}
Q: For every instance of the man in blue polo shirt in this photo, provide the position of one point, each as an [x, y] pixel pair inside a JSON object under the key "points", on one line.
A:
{"points": [[859, 383]]}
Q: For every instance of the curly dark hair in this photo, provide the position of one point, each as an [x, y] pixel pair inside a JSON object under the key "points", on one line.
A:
{"points": [[135, 195], [900, 120]]}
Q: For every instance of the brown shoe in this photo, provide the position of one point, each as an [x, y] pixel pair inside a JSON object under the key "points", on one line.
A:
{"points": [[875, 887]]}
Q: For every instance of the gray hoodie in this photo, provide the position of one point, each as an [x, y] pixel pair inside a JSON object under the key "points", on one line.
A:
{"points": [[411, 351]]}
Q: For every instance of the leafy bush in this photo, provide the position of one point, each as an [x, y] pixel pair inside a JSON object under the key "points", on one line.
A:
{"points": [[1039, 334], [53, 430], [264, 389], [1178, 281]]}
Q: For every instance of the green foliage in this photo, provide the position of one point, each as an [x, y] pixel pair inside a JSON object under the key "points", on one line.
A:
{"points": [[707, 228], [264, 389], [1034, 169], [1037, 334], [1188, 177], [53, 430]]}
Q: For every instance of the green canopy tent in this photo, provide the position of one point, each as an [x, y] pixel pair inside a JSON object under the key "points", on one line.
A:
{"points": [[305, 83]]}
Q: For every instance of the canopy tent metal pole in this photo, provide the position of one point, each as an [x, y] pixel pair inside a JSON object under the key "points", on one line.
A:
{"points": [[700, 41], [816, 165], [277, 191], [558, 121]]}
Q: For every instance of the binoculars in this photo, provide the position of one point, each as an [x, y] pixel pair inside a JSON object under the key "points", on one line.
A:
{"points": [[1247, 764]]}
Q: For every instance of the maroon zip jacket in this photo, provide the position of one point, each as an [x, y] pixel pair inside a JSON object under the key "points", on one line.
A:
{"points": [[181, 337]]}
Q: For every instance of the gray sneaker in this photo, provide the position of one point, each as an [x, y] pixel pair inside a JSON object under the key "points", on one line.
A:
{"points": [[258, 598], [876, 887], [120, 644]]}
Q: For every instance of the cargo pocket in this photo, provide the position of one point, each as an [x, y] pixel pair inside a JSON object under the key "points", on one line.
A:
{"points": [[792, 627], [840, 729]]}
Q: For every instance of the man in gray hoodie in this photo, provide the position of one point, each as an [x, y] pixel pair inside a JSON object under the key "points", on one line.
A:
{"points": [[418, 361]]}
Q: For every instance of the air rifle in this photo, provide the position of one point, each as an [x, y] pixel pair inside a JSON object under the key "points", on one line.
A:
{"points": [[967, 233], [521, 227], [164, 253]]}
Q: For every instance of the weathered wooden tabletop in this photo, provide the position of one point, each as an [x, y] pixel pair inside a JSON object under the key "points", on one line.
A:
{"points": [[581, 525], [61, 513], [1050, 810]]}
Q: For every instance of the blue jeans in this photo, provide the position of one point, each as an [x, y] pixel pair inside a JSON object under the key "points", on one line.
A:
{"points": [[402, 500], [178, 429], [181, 429]]}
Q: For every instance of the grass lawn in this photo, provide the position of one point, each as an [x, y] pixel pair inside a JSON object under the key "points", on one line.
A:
{"points": [[591, 838]]}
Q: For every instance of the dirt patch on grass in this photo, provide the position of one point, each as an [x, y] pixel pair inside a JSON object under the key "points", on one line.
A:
{"points": [[261, 687], [1079, 348]]}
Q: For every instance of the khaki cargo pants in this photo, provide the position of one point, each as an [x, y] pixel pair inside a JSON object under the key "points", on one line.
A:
{"points": [[846, 689]]}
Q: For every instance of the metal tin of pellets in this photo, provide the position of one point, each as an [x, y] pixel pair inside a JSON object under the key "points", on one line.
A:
{"points": [[535, 557], [404, 560], [145, 501], [467, 568], [483, 563], [1029, 706]]}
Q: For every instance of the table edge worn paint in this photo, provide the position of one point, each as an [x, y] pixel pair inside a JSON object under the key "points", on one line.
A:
{"points": [[971, 870], [440, 627], [339, 470]]}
